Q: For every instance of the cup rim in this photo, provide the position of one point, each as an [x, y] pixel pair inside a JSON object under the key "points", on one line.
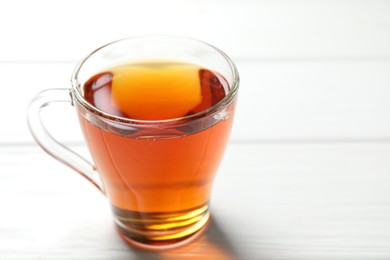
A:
{"points": [[75, 89]]}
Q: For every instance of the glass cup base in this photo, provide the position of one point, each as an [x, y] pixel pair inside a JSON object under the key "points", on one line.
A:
{"points": [[164, 238]]}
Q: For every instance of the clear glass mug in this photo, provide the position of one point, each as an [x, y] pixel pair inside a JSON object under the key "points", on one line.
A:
{"points": [[156, 174]]}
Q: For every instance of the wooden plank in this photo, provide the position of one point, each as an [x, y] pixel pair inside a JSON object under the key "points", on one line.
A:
{"points": [[274, 201], [47, 30], [312, 100]]}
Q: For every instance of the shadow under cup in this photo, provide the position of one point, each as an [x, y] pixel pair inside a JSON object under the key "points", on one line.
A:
{"points": [[157, 174]]}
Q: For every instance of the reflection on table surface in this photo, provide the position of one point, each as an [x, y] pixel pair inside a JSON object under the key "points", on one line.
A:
{"points": [[212, 244]]}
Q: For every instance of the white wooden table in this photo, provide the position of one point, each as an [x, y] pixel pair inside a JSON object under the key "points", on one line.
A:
{"points": [[306, 174]]}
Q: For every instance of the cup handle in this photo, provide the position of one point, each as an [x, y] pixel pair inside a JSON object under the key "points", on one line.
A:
{"points": [[51, 145]]}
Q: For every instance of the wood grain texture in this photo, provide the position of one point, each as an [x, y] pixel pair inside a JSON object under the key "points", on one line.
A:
{"points": [[270, 201], [307, 173]]}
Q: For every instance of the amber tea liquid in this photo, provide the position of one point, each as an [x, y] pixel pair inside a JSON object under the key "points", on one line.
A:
{"points": [[158, 180]]}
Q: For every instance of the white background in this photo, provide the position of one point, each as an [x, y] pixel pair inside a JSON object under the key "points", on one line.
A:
{"points": [[309, 69], [307, 171]]}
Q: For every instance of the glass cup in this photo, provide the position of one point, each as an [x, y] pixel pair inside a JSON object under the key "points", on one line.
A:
{"points": [[156, 173]]}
